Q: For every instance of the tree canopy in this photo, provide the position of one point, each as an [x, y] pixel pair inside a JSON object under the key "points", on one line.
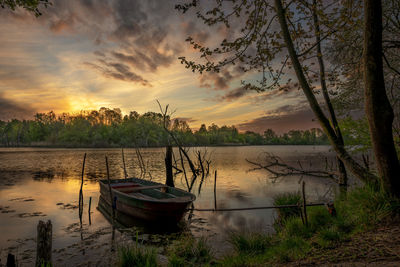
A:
{"points": [[108, 128]]}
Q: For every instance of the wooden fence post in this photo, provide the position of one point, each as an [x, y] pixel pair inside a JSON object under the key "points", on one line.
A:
{"points": [[44, 243], [304, 202], [215, 190], [90, 204], [10, 260]]}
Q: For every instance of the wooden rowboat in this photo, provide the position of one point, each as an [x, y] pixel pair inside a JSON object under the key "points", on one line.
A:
{"points": [[146, 200]]}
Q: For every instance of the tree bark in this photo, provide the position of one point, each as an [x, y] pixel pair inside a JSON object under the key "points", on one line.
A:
{"points": [[168, 167], [360, 172], [44, 243], [377, 107]]}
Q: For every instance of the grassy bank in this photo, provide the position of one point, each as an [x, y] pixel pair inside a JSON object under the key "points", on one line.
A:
{"points": [[362, 210]]}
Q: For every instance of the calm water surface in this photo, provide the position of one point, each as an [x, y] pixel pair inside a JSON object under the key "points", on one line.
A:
{"points": [[41, 184]]}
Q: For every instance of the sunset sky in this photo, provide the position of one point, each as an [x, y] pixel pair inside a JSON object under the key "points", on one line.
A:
{"points": [[87, 54]]}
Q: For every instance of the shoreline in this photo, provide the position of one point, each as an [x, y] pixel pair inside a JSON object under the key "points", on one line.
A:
{"points": [[174, 146]]}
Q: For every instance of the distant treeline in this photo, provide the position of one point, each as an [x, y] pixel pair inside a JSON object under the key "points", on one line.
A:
{"points": [[108, 128]]}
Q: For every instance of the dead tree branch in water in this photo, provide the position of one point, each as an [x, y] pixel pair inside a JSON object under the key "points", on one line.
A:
{"points": [[177, 170], [177, 142], [141, 163], [198, 166], [278, 168]]}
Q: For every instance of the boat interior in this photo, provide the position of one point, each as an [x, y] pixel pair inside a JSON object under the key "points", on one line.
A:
{"points": [[150, 192]]}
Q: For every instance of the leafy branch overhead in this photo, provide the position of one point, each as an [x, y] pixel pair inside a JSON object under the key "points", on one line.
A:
{"points": [[260, 34], [30, 5], [254, 41]]}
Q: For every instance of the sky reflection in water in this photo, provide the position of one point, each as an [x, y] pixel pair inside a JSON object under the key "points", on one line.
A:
{"points": [[41, 184]]}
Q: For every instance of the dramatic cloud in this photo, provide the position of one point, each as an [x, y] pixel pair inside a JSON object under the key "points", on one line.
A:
{"points": [[193, 30], [86, 54], [11, 109], [234, 94], [282, 120], [221, 80], [117, 71]]}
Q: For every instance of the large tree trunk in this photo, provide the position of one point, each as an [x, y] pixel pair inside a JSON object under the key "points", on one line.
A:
{"points": [[359, 171], [377, 107]]}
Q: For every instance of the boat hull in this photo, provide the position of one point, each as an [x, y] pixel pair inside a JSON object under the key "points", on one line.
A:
{"points": [[155, 208]]}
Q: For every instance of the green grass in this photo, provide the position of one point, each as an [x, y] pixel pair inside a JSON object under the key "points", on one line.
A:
{"points": [[362, 209], [189, 251], [249, 243], [366, 207], [129, 256], [288, 199]]}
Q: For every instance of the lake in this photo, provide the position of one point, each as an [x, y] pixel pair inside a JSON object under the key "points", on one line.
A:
{"points": [[43, 184]]}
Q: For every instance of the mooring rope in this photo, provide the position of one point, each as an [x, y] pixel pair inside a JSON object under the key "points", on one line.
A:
{"points": [[259, 208]]}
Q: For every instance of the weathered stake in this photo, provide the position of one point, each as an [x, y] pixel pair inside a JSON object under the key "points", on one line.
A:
{"points": [[10, 260], [304, 202], [123, 160], [81, 191], [109, 188], [90, 204], [215, 190], [44, 244]]}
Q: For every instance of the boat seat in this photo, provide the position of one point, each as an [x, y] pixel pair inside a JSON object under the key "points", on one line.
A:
{"points": [[184, 198], [133, 189], [142, 196]]}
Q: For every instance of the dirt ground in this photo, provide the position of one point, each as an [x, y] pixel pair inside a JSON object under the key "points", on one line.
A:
{"points": [[377, 247]]}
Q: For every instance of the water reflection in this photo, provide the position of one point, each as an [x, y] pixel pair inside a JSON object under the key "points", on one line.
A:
{"points": [[44, 184], [122, 222]]}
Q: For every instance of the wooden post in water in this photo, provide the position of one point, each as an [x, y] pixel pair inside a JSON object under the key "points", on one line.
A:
{"points": [[215, 190], [10, 260], [168, 167], [110, 191], [44, 244], [81, 191], [123, 160], [90, 204], [304, 202]]}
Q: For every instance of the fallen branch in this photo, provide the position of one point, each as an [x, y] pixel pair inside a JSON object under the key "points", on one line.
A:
{"points": [[275, 166]]}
